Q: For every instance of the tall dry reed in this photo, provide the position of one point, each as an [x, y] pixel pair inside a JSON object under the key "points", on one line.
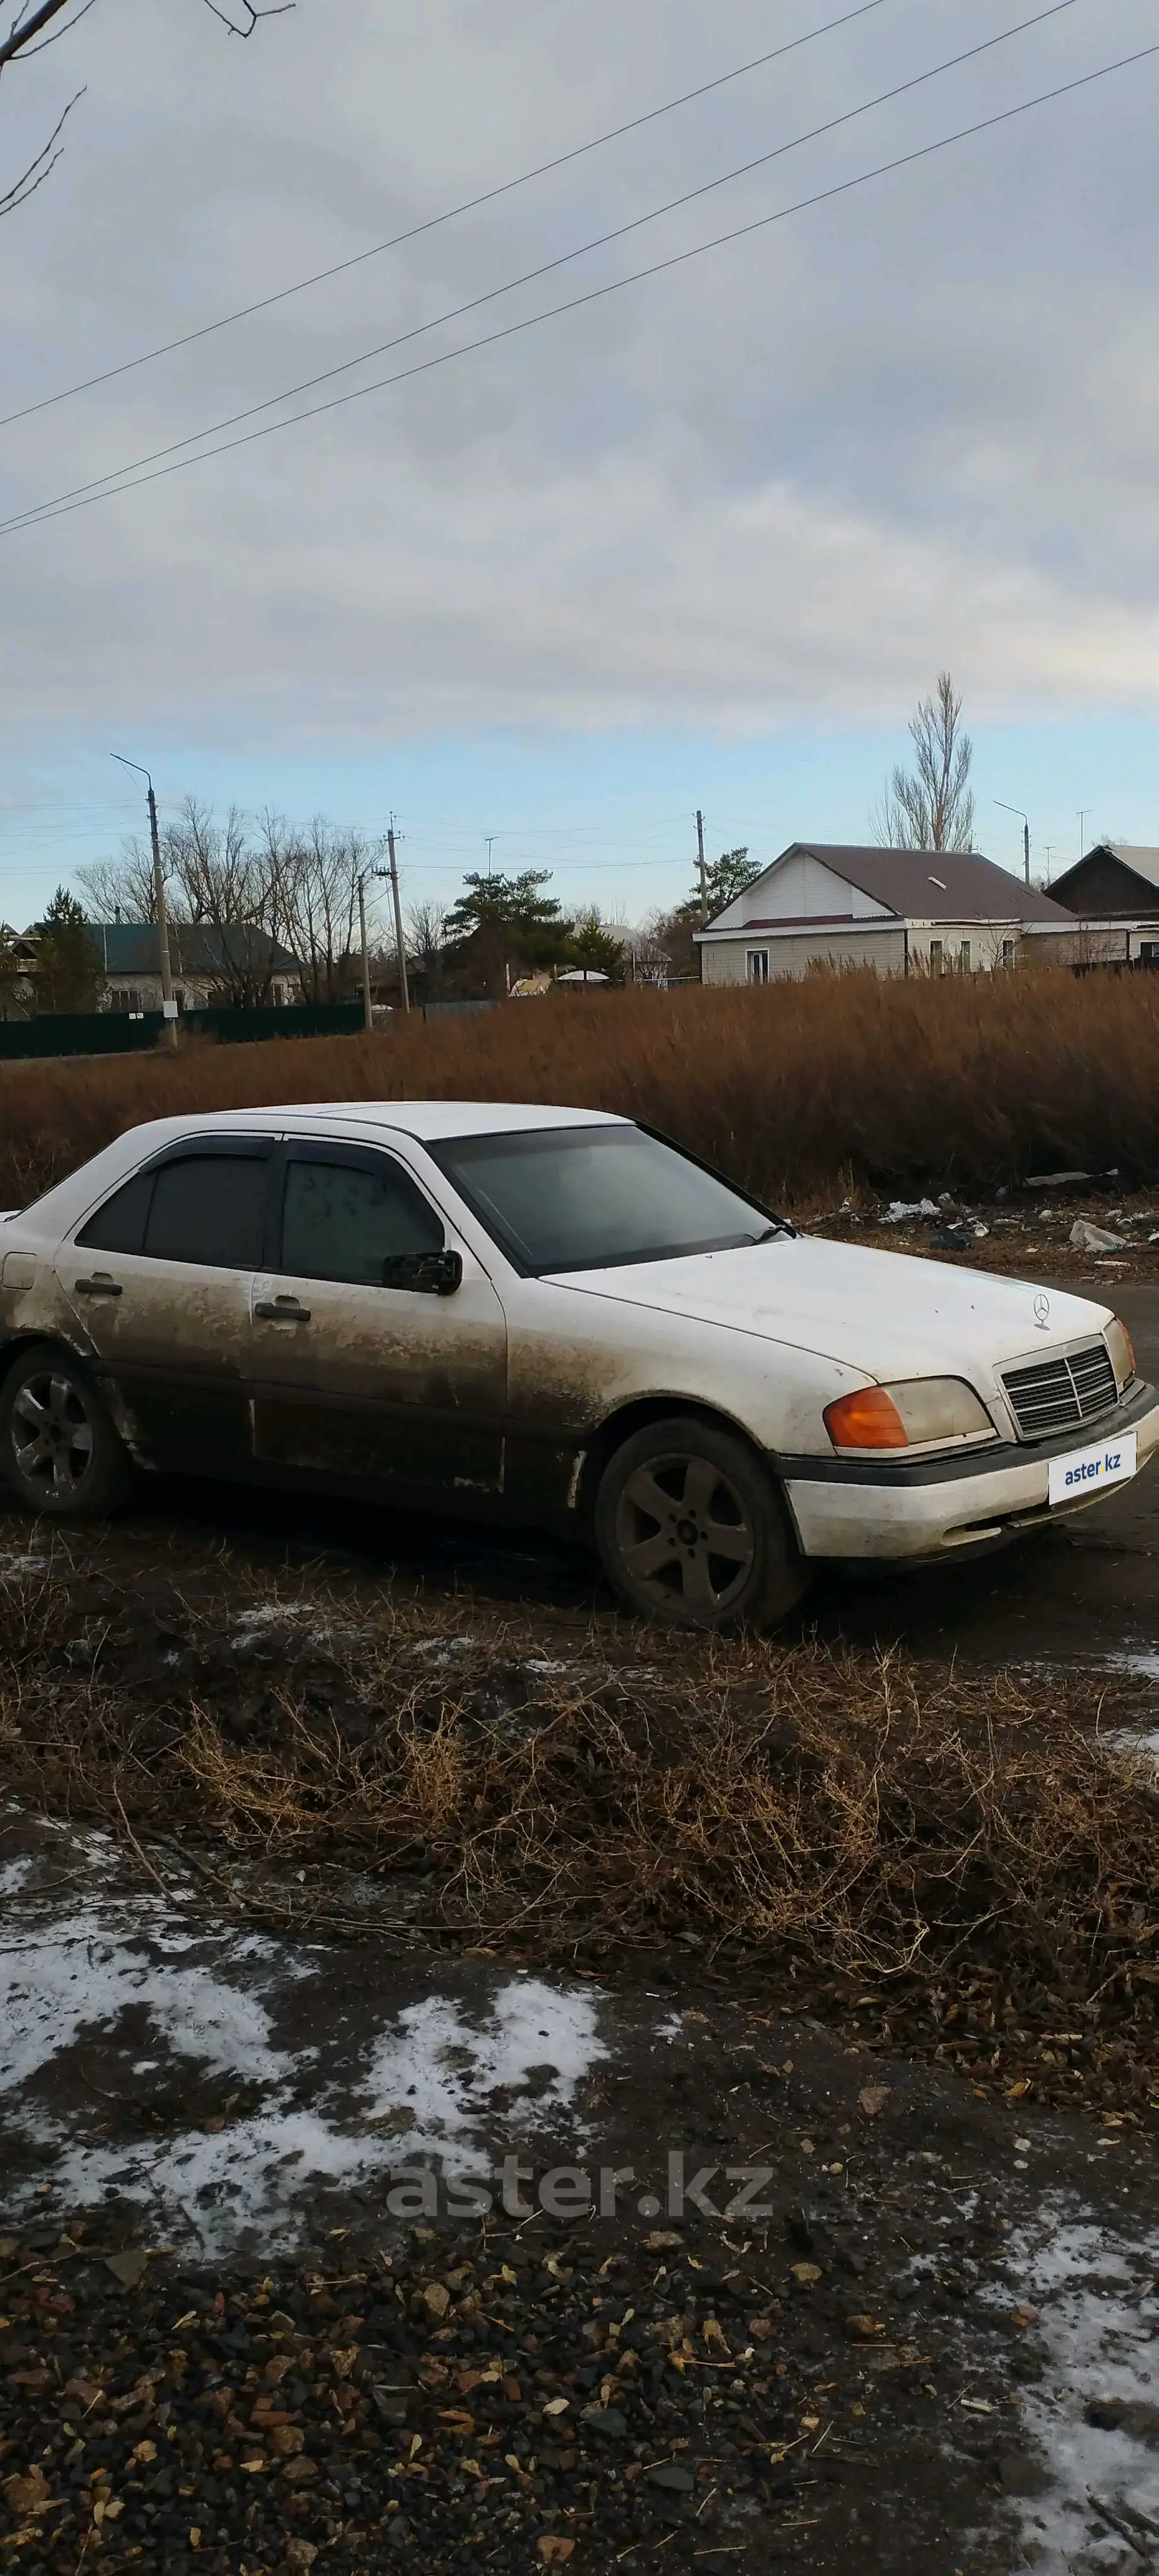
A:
{"points": [[966, 1082]]}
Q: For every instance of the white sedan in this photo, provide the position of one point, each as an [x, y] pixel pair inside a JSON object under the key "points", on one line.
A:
{"points": [[545, 1316]]}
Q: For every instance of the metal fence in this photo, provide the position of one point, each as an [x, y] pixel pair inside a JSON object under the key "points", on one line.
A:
{"points": [[115, 1033], [61, 1033]]}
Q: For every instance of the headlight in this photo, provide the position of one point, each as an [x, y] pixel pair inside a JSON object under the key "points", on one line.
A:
{"points": [[918, 1413], [1118, 1341]]}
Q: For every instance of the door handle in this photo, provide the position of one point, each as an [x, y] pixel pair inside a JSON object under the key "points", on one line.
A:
{"points": [[282, 1310], [100, 1285]]}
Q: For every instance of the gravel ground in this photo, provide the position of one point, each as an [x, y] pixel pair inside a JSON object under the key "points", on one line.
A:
{"points": [[222, 2346], [245, 2322]]}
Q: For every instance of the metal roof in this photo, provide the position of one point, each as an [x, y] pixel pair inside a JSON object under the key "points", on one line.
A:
{"points": [[130, 948], [1143, 862], [927, 885]]}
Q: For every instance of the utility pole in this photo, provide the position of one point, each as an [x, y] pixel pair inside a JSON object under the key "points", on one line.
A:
{"points": [[700, 865], [367, 1005], [168, 1004], [403, 986], [1083, 812], [1017, 809]]}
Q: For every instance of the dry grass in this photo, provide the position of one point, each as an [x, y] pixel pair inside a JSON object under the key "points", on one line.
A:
{"points": [[969, 1848], [964, 1082]]}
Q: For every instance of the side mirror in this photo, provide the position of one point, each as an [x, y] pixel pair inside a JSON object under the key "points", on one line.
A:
{"points": [[430, 1274]]}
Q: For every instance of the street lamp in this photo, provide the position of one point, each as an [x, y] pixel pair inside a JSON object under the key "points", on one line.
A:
{"points": [[1017, 809], [168, 1004]]}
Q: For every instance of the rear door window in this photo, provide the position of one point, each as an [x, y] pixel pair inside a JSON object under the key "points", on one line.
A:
{"points": [[119, 1226], [344, 1219], [208, 1208]]}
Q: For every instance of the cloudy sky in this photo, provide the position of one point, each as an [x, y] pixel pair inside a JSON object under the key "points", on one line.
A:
{"points": [[703, 540]]}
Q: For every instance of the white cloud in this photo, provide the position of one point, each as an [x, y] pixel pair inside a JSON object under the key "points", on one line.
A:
{"points": [[784, 482]]}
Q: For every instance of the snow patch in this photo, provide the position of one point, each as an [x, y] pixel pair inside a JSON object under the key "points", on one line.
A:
{"points": [[442, 2071], [432, 2082], [57, 1987], [672, 2029], [1139, 1743], [1141, 1660], [1097, 2322]]}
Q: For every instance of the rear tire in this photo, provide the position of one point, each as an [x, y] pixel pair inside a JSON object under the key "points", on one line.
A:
{"points": [[691, 1530], [59, 1451]]}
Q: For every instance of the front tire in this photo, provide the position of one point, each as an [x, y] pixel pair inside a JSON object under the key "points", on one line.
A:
{"points": [[691, 1530], [59, 1451]]}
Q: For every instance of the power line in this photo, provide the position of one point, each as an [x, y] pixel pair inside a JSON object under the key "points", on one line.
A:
{"points": [[64, 504], [546, 268], [433, 222]]}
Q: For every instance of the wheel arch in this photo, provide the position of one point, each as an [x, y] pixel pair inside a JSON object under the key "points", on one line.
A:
{"points": [[31, 1339], [635, 1416]]}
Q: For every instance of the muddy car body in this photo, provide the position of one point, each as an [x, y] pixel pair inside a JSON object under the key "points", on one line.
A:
{"points": [[542, 1315]]}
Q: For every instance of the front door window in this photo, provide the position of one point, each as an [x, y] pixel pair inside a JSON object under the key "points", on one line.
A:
{"points": [[344, 1221]]}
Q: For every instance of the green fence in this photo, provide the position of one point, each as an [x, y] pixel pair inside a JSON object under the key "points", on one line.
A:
{"points": [[114, 1033]]}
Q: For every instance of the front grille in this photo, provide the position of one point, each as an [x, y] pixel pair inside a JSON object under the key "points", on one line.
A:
{"points": [[1060, 1395]]}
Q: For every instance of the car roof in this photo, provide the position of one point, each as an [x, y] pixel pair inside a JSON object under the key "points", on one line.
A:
{"points": [[431, 1119], [427, 1120]]}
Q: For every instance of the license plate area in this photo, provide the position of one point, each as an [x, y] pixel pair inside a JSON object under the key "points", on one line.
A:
{"points": [[1081, 1473]]}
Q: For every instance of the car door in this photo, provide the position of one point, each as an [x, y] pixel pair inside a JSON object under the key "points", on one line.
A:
{"points": [[160, 1279], [395, 1387]]}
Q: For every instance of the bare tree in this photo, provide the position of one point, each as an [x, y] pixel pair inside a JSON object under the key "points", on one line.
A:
{"points": [[28, 26], [231, 888], [426, 947], [314, 879], [249, 891], [931, 807], [122, 889]]}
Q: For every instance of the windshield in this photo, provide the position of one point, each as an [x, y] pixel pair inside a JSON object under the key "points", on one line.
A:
{"points": [[583, 1198]]}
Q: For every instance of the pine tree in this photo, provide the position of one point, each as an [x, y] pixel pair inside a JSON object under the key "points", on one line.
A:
{"points": [[68, 971]]}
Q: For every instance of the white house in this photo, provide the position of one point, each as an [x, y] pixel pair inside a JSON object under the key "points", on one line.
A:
{"points": [[823, 904]]}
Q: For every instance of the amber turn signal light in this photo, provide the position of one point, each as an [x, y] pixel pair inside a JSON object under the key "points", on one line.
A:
{"points": [[868, 1419]]}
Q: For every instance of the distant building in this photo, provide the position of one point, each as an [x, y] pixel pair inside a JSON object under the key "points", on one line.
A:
{"points": [[1116, 890], [825, 904], [205, 965]]}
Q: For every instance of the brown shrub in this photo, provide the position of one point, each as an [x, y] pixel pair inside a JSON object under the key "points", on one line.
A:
{"points": [[970, 1847], [968, 1081]]}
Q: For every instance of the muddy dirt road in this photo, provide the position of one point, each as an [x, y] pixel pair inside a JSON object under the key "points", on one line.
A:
{"points": [[230, 2340]]}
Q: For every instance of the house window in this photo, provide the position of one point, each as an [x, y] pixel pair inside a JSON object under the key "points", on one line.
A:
{"points": [[1149, 952], [964, 957], [120, 999], [1008, 946], [757, 965], [937, 959]]}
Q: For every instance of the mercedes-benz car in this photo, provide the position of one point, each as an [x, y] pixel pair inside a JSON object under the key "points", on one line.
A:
{"points": [[545, 1316]]}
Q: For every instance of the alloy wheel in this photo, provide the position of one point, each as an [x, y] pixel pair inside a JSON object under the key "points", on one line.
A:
{"points": [[684, 1534], [52, 1434]]}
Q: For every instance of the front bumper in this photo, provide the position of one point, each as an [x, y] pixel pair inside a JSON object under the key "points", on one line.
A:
{"points": [[934, 1506]]}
